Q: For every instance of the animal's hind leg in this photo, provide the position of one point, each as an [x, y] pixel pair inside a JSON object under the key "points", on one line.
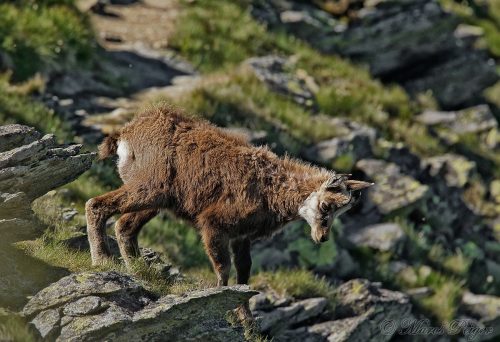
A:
{"points": [[127, 229], [98, 209]]}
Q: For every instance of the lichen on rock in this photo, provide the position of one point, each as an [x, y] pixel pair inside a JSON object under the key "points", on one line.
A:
{"points": [[112, 306]]}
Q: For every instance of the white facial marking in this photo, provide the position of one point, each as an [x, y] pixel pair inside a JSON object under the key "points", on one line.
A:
{"points": [[309, 212], [123, 153]]}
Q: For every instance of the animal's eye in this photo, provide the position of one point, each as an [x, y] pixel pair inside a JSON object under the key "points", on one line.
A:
{"points": [[324, 207], [324, 221]]}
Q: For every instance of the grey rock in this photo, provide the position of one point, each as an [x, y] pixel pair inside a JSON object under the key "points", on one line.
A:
{"points": [[272, 71], [267, 301], [76, 286], [260, 302], [311, 307], [47, 323], [420, 292], [69, 213], [30, 166], [361, 308], [353, 139], [392, 190], [354, 296], [485, 310], [284, 317], [458, 82], [456, 169], [83, 306], [276, 319], [12, 136], [112, 306], [382, 237], [470, 120]]}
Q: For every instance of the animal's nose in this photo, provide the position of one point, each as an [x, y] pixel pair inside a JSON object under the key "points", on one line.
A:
{"points": [[324, 238]]}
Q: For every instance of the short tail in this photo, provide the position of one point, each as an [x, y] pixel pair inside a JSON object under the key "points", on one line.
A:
{"points": [[108, 146]]}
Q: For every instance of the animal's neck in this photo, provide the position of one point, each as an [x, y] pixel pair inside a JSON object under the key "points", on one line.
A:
{"points": [[291, 187]]}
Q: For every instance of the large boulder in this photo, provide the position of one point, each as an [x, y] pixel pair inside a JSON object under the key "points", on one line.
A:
{"points": [[31, 164], [111, 306]]}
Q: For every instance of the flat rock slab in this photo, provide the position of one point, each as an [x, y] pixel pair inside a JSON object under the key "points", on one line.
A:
{"points": [[450, 126], [352, 139], [115, 307], [393, 190], [382, 237]]}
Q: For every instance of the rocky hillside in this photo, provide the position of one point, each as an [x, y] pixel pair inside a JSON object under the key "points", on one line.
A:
{"points": [[401, 93]]}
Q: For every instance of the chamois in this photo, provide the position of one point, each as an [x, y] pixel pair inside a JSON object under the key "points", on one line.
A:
{"points": [[233, 192]]}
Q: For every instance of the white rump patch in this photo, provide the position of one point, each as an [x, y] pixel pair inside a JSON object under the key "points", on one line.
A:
{"points": [[123, 153]]}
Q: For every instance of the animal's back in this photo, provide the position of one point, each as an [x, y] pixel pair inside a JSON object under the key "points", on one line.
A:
{"points": [[196, 162]]}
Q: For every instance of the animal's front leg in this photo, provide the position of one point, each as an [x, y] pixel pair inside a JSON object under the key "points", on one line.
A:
{"points": [[217, 247], [243, 264], [242, 260]]}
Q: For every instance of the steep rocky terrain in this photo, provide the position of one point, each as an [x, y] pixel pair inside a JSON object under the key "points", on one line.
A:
{"points": [[402, 93]]}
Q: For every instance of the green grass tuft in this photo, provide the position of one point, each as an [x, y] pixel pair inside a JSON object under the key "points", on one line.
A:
{"points": [[36, 35], [297, 283]]}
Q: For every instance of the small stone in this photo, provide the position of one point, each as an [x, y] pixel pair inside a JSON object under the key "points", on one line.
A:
{"points": [[420, 292], [68, 214]]}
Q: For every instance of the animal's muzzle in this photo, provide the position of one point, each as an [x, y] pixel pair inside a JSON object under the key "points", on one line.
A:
{"points": [[324, 238]]}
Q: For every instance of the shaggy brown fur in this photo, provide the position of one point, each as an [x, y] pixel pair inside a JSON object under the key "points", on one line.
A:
{"points": [[234, 193]]}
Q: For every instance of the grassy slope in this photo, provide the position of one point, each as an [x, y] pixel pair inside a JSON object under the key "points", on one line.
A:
{"points": [[36, 36]]}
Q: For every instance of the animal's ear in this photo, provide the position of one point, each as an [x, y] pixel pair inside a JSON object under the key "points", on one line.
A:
{"points": [[357, 185]]}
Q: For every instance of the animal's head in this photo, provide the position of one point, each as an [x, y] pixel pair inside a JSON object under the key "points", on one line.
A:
{"points": [[335, 196]]}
